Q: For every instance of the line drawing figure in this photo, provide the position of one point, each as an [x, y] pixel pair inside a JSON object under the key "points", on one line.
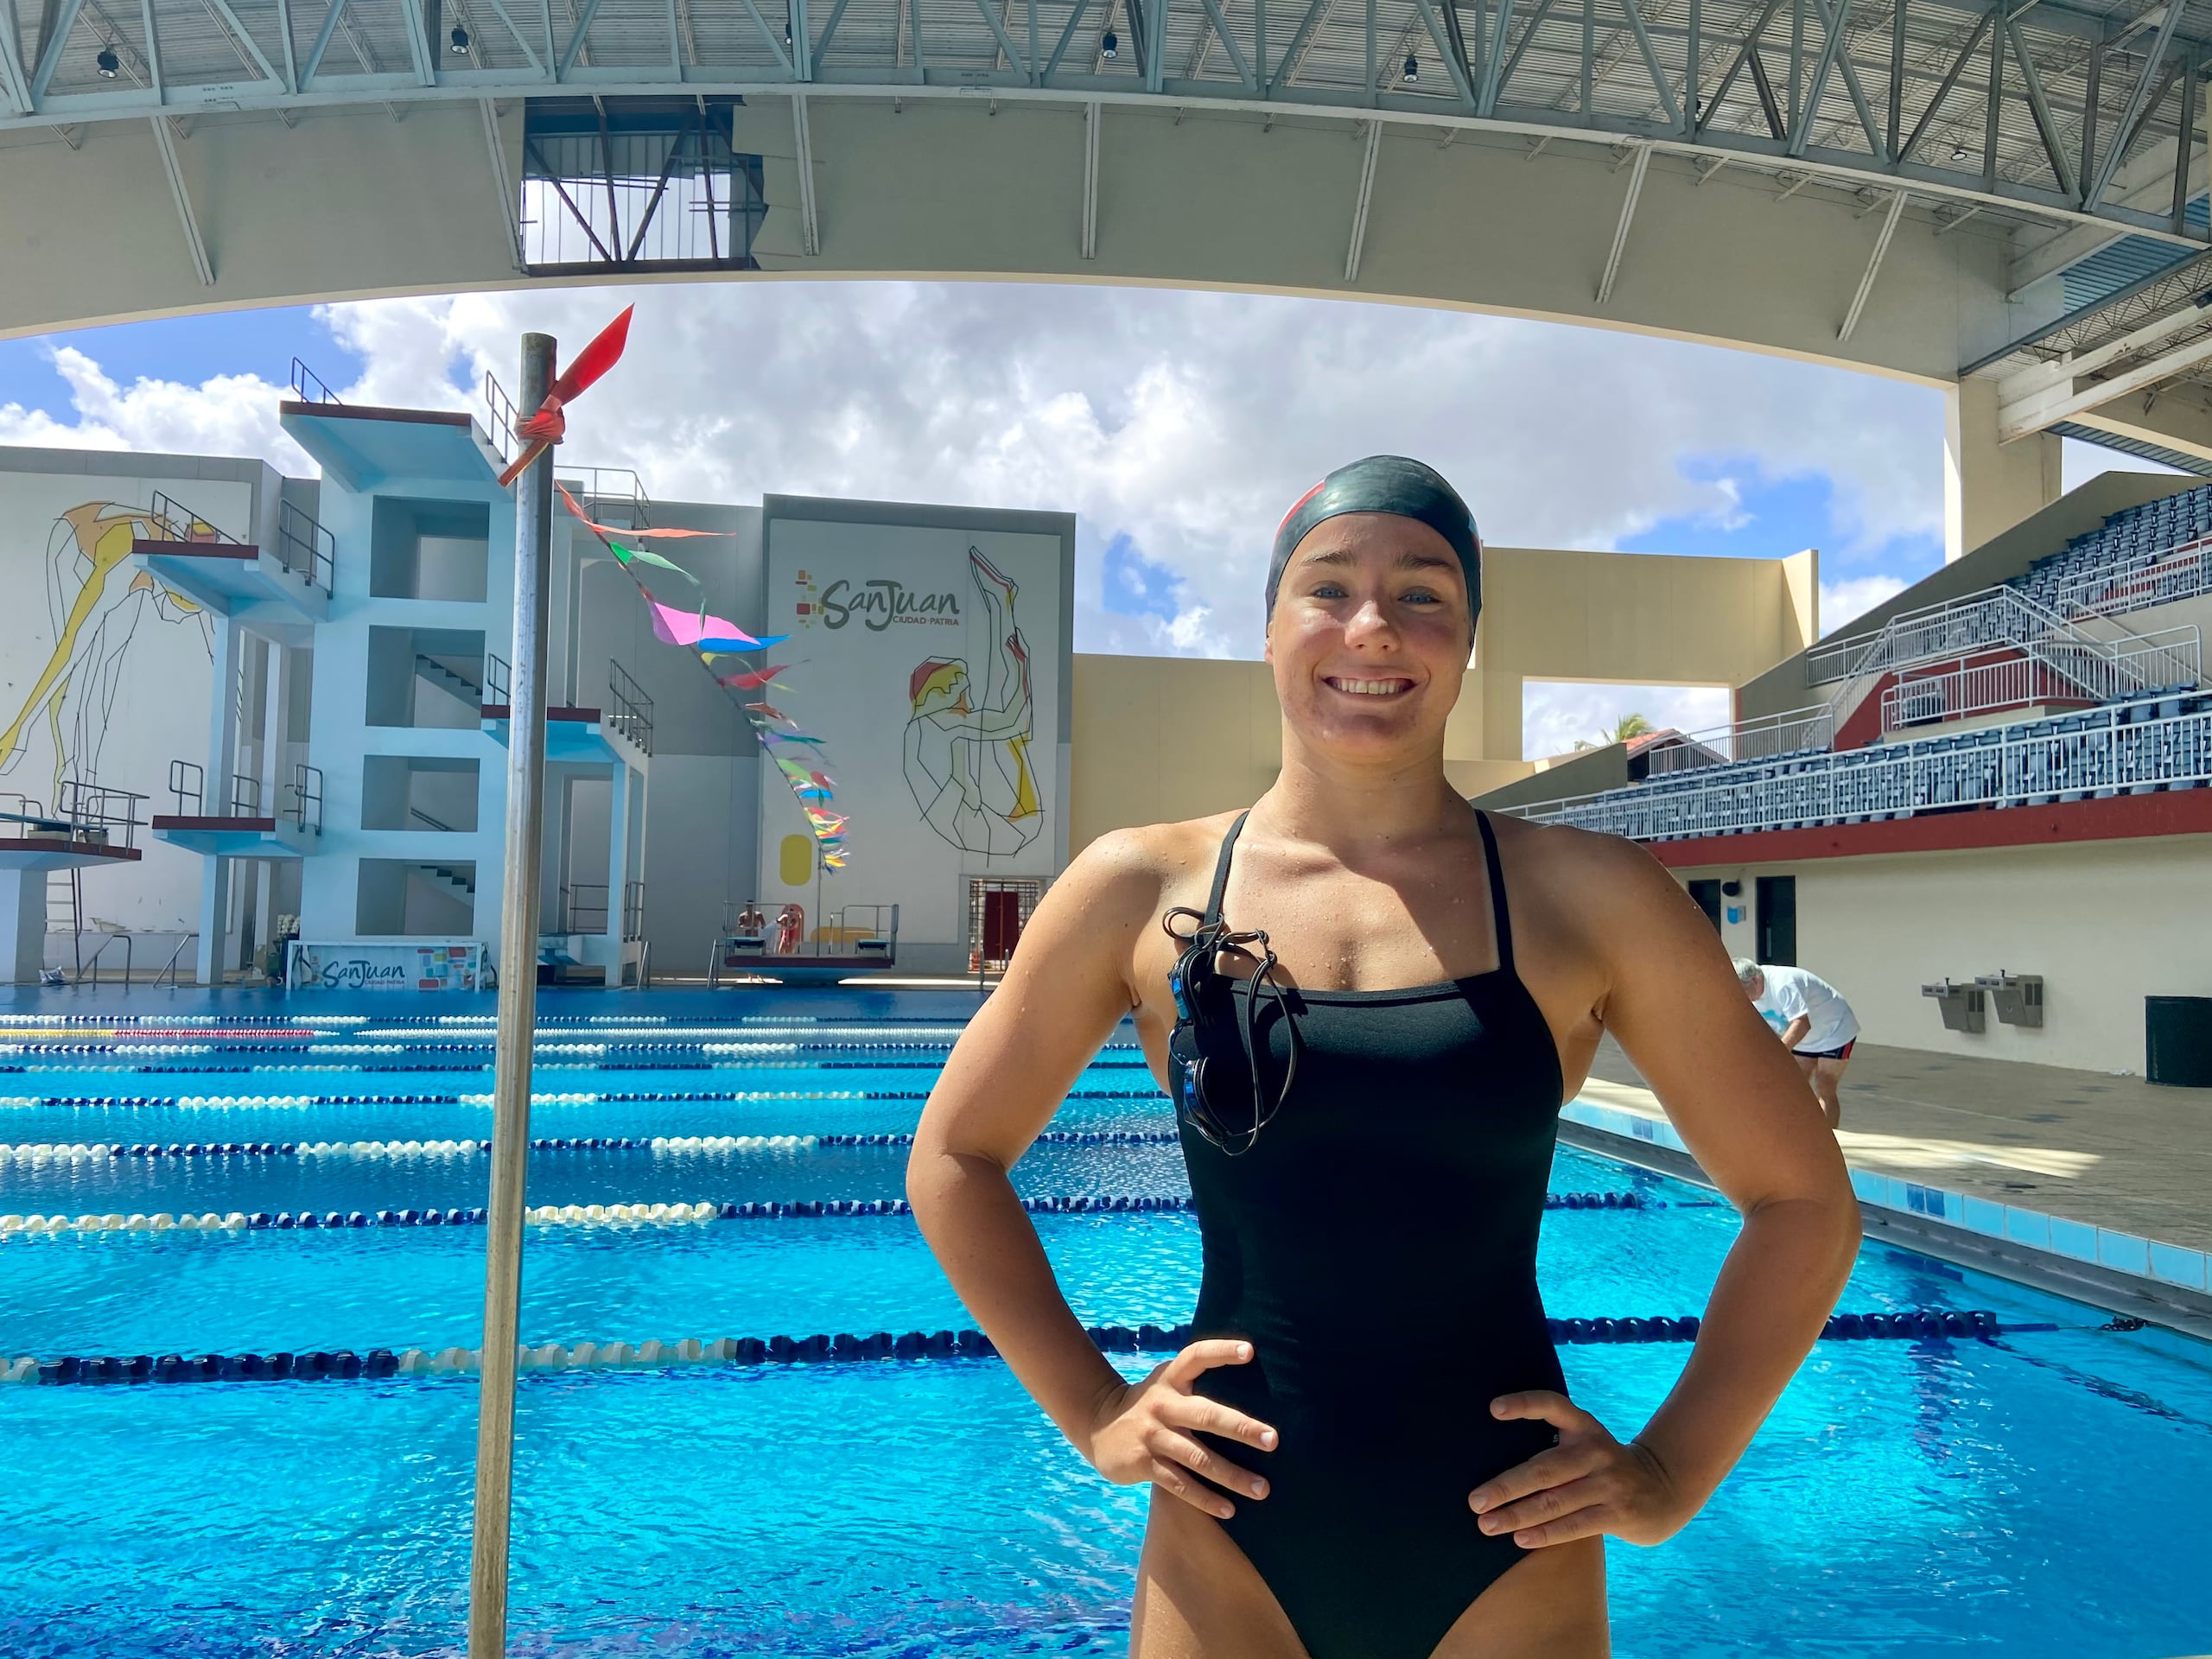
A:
{"points": [[967, 761]]}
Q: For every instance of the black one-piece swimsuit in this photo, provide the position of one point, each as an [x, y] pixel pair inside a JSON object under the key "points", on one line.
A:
{"points": [[1376, 1245]]}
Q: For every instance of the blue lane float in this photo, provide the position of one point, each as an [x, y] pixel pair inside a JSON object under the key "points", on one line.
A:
{"points": [[1919, 1324]]}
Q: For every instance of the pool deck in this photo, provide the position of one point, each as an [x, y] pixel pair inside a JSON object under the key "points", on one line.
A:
{"points": [[2111, 1173]]}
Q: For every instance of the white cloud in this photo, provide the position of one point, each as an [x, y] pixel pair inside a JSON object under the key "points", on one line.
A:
{"points": [[229, 414], [1854, 596], [1185, 421], [1554, 715]]}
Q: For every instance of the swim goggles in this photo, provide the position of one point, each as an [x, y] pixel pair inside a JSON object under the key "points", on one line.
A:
{"points": [[1226, 1108]]}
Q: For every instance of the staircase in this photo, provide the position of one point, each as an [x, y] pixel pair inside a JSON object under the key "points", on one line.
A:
{"points": [[459, 883], [2102, 669], [456, 686]]}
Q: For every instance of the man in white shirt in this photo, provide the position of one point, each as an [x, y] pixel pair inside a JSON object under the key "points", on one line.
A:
{"points": [[1814, 1023]]}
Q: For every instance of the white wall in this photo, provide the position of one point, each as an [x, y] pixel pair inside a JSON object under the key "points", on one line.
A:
{"points": [[2105, 923], [890, 607]]}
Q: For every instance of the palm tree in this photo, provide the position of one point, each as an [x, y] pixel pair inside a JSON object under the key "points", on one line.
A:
{"points": [[1628, 726]]}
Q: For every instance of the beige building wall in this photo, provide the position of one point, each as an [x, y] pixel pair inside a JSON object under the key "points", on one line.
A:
{"points": [[2105, 922], [1634, 619], [1162, 738]]}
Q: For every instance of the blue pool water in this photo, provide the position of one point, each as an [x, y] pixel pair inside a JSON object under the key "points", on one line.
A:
{"points": [[2041, 1493]]}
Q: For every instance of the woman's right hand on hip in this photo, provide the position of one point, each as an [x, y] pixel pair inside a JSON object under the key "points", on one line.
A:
{"points": [[1145, 1431]]}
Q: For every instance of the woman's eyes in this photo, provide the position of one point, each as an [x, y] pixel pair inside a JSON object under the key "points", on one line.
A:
{"points": [[1416, 596]]}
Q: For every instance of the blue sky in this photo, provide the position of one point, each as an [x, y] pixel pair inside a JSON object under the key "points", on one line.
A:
{"points": [[187, 350]]}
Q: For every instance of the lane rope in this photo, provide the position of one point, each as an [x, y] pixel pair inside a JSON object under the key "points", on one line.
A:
{"points": [[1921, 1325]]}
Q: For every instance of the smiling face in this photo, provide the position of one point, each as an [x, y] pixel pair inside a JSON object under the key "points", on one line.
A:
{"points": [[1370, 636]]}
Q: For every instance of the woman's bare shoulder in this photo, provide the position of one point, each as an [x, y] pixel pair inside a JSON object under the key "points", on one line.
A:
{"points": [[1579, 871], [1146, 867]]}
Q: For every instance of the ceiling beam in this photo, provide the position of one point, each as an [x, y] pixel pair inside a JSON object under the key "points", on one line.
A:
{"points": [[1628, 217], [51, 48], [1873, 268], [165, 142], [2124, 134], [2033, 399], [13, 81], [1093, 114], [418, 41], [803, 136], [1360, 203]]}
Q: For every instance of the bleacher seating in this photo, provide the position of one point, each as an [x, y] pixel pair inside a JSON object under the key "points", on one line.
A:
{"points": [[2129, 544], [2138, 746]]}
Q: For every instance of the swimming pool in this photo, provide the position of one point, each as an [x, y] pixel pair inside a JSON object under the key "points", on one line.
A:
{"points": [[2041, 1492]]}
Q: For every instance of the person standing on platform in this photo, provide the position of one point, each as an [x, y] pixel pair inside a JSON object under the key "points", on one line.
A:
{"points": [[1817, 1026]]}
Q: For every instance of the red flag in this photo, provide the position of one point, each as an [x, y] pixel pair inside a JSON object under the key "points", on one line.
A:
{"points": [[548, 424], [595, 360]]}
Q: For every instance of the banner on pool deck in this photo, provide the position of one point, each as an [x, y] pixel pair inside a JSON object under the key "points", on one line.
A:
{"points": [[376, 965], [929, 660]]}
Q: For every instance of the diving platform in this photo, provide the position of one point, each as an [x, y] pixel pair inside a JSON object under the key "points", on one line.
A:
{"points": [[364, 446]]}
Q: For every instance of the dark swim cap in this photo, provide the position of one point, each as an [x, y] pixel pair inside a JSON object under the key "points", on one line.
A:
{"points": [[1389, 484]]}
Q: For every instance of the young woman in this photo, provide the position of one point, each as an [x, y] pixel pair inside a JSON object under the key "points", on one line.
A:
{"points": [[1367, 1451]]}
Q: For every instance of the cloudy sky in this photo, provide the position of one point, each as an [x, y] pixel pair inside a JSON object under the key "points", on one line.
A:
{"points": [[1177, 425]]}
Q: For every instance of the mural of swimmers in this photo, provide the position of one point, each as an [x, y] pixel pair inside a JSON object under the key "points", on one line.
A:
{"points": [[966, 758]]}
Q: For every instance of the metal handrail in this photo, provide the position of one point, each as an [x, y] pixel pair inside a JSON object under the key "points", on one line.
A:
{"points": [[2180, 572], [2019, 682], [633, 911], [303, 796], [166, 509], [92, 967], [311, 387], [305, 548], [189, 782], [94, 812], [611, 484], [497, 691], [1760, 737], [575, 906], [169, 969], [246, 795], [499, 417], [630, 711], [1993, 617]]}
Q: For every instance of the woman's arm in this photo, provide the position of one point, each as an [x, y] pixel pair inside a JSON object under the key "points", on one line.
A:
{"points": [[1743, 1110], [1068, 986]]}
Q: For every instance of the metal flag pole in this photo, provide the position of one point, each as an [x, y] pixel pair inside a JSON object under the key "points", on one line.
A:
{"points": [[519, 906]]}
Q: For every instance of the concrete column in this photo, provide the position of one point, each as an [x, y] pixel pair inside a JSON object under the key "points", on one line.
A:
{"points": [[618, 860], [222, 748], [23, 923], [1988, 487]]}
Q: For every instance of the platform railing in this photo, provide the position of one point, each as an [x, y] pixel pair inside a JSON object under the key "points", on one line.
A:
{"points": [[582, 907], [499, 417], [310, 387], [629, 710], [497, 675], [305, 790], [305, 548], [166, 509], [600, 487], [633, 911], [98, 815]]}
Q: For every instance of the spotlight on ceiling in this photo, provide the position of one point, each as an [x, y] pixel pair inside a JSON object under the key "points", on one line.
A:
{"points": [[1109, 44], [1957, 152], [1413, 68], [109, 65], [460, 40]]}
